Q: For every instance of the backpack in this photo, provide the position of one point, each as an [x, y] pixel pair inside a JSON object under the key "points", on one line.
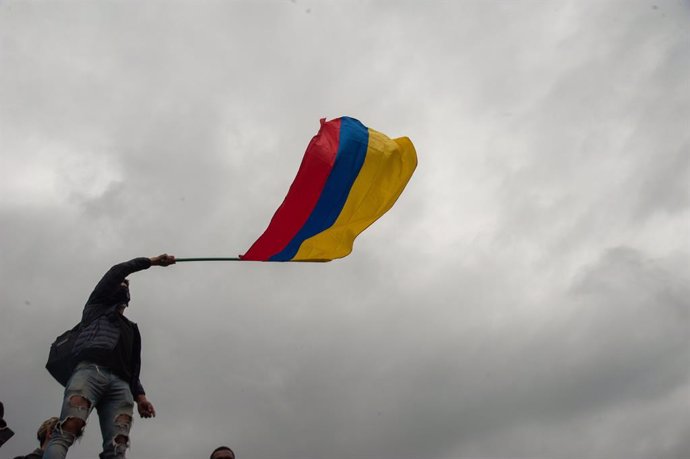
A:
{"points": [[60, 359]]}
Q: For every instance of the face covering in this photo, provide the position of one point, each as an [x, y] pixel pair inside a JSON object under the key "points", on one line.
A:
{"points": [[121, 296]]}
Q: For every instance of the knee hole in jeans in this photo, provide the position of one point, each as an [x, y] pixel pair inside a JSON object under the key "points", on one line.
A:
{"points": [[123, 420], [73, 425], [78, 401], [121, 439]]}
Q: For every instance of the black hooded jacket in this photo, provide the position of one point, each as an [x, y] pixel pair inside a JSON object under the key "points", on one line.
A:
{"points": [[107, 337]]}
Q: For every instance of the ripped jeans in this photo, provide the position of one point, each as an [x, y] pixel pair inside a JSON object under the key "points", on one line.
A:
{"points": [[112, 398]]}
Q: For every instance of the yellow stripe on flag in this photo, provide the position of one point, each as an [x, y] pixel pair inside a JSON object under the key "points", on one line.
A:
{"points": [[387, 168]]}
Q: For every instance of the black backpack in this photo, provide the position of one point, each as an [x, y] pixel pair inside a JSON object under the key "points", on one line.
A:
{"points": [[60, 359]]}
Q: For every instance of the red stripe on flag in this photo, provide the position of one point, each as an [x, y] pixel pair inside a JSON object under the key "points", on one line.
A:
{"points": [[303, 195]]}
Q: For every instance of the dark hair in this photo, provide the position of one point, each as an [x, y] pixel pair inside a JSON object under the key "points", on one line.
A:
{"points": [[221, 448]]}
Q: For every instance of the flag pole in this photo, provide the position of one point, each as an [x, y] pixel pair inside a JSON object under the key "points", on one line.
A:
{"points": [[178, 260]]}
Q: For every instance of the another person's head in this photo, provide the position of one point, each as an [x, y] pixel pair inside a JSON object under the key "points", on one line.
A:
{"points": [[223, 452], [45, 429], [5, 432]]}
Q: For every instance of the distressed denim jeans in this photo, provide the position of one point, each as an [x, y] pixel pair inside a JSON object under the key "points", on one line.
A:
{"points": [[112, 398]]}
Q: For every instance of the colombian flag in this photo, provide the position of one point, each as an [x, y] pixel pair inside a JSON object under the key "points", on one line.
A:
{"points": [[349, 177]]}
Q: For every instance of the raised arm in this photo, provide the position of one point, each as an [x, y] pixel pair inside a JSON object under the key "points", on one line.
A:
{"points": [[111, 281]]}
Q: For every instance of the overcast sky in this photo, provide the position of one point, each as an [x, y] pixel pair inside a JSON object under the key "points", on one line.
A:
{"points": [[527, 297]]}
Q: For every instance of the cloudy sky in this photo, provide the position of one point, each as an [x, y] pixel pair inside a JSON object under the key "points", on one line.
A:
{"points": [[527, 297]]}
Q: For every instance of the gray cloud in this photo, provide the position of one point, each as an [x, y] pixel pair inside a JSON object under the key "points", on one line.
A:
{"points": [[526, 297]]}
